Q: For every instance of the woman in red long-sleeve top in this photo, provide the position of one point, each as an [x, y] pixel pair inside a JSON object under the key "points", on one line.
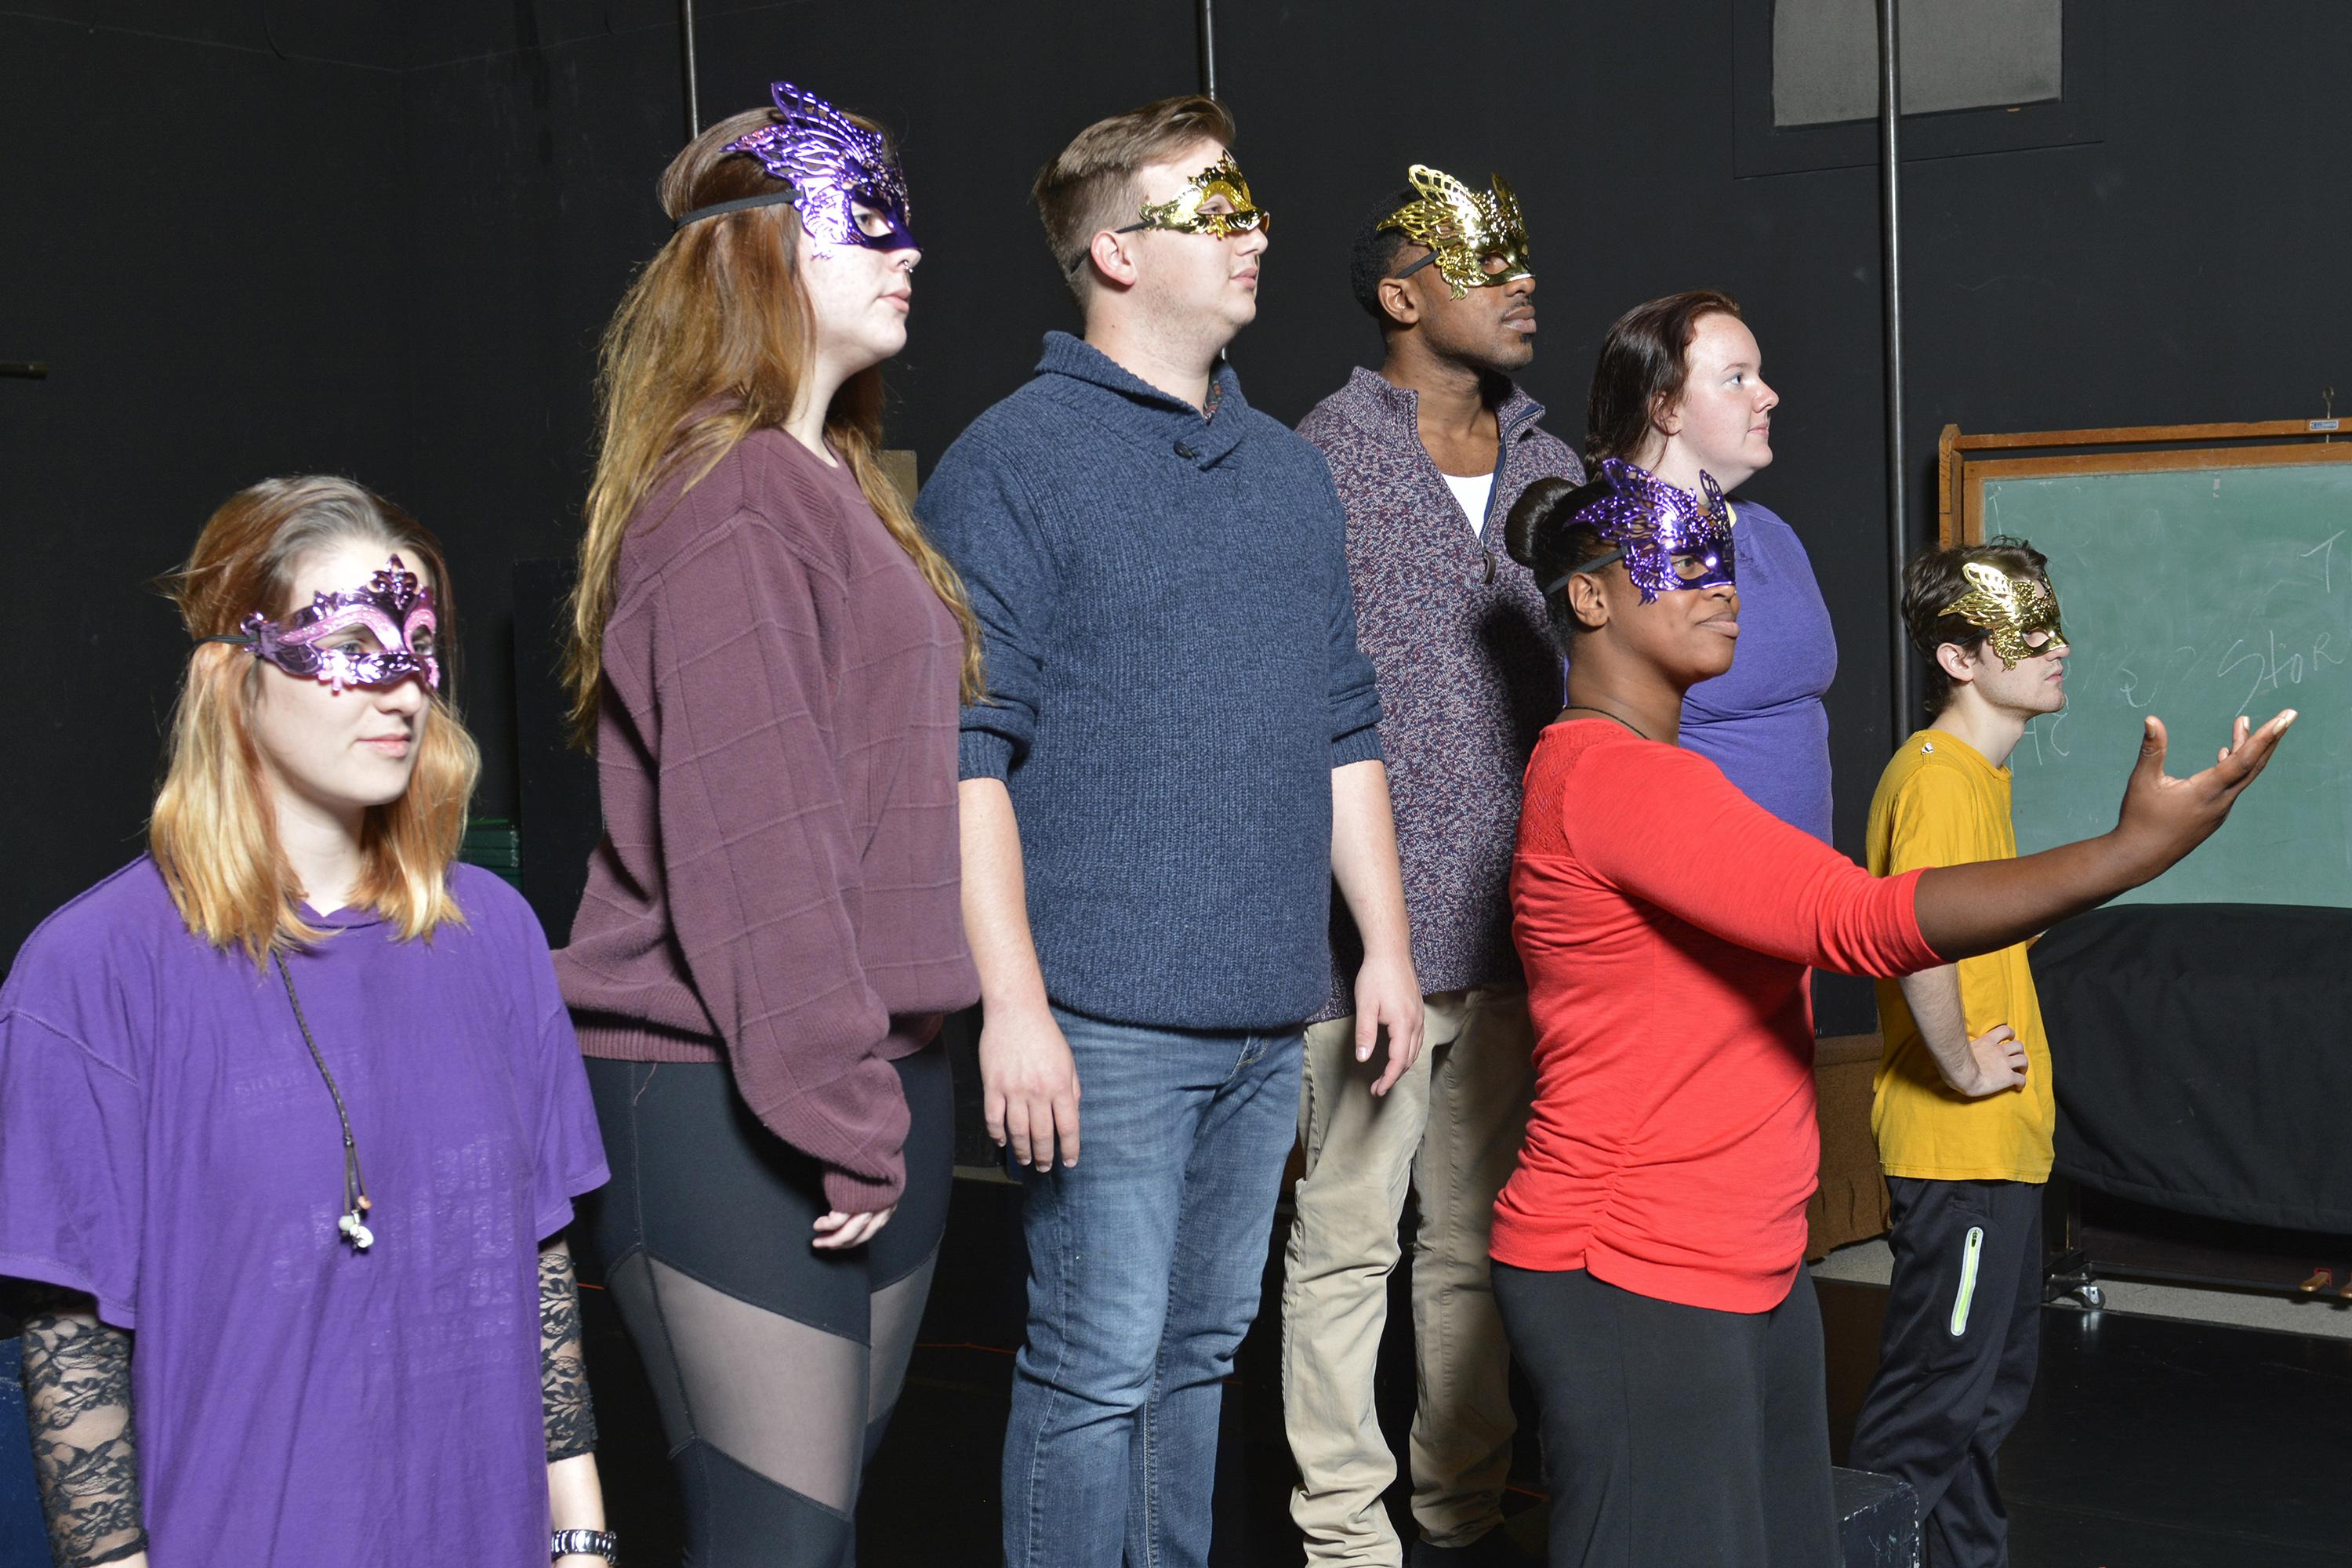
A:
{"points": [[1649, 1248]]}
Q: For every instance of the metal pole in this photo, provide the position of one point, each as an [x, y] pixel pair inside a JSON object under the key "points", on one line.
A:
{"points": [[1898, 535], [693, 88], [1209, 47]]}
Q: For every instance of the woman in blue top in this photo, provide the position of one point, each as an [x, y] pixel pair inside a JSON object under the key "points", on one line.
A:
{"points": [[1679, 388]]}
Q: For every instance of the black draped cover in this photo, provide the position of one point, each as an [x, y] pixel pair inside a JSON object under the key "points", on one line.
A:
{"points": [[2203, 1055]]}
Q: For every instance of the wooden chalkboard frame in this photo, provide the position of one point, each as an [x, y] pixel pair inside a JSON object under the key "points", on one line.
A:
{"points": [[1960, 474]]}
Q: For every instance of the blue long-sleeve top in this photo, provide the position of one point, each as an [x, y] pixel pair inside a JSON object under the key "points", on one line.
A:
{"points": [[1173, 677], [1763, 721]]}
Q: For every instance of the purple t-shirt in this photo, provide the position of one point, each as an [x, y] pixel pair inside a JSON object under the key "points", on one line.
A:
{"points": [[167, 1145], [1763, 721]]}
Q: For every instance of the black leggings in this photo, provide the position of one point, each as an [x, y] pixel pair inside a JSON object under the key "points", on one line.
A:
{"points": [[775, 1365], [1672, 1434]]}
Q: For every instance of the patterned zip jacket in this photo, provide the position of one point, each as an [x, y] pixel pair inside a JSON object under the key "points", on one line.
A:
{"points": [[1467, 673]]}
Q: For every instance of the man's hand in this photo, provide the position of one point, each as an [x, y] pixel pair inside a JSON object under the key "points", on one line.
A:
{"points": [[1387, 997], [1996, 1061], [1364, 865], [1029, 1086]]}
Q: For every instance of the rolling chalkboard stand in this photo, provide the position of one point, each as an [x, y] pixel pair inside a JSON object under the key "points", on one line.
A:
{"points": [[2195, 1023]]}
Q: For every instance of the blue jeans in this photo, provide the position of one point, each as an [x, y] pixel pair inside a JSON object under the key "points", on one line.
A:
{"points": [[1146, 1263]]}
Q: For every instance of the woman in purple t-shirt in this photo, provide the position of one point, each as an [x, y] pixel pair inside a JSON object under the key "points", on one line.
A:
{"points": [[1679, 389], [291, 1113]]}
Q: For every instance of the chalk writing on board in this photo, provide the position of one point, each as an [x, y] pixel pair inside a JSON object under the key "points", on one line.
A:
{"points": [[2049, 739], [2182, 658], [2326, 551], [2271, 670]]}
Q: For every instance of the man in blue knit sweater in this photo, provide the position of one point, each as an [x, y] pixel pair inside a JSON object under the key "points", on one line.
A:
{"points": [[1177, 758]]}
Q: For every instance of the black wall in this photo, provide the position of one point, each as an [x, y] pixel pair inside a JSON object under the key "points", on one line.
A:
{"points": [[382, 237]]}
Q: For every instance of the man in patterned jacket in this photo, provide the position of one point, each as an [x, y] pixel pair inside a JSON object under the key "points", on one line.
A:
{"points": [[1428, 454]]}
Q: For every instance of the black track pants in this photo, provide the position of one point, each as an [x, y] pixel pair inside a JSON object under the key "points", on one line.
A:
{"points": [[1956, 1362]]}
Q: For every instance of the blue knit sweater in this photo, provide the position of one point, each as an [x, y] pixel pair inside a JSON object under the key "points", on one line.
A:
{"points": [[1172, 676]]}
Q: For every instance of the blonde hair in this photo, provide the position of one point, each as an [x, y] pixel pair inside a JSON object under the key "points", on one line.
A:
{"points": [[1090, 185], [214, 832], [719, 317]]}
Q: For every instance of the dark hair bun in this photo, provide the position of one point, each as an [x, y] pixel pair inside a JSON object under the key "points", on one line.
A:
{"points": [[1531, 519]]}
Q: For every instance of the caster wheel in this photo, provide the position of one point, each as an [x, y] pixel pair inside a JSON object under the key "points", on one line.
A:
{"points": [[2094, 1298]]}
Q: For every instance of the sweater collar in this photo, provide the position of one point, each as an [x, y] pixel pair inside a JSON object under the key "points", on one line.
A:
{"points": [[1145, 411], [1380, 408]]}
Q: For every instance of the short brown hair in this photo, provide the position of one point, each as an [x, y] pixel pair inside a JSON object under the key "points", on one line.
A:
{"points": [[1934, 580], [1090, 185], [1643, 365]]}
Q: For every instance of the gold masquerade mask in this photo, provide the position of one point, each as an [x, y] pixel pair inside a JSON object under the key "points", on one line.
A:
{"points": [[1187, 212], [2010, 610], [1474, 241]]}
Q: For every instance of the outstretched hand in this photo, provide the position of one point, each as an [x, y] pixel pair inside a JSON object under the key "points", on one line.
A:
{"points": [[2165, 817]]}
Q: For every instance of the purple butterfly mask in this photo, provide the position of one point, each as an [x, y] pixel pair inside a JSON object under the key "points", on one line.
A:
{"points": [[831, 162], [392, 607], [1669, 539]]}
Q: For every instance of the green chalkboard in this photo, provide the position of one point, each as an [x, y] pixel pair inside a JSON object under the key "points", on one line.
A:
{"points": [[2197, 594]]}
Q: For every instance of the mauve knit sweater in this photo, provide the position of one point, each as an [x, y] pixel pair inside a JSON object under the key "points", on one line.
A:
{"points": [[779, 885], [1469, 675], [1173, 677]]}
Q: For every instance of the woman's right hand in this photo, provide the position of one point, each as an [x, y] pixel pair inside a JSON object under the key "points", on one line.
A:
{"points": [[838, 1232], [2163, 818], [1985, 905], [1029, 1086]]}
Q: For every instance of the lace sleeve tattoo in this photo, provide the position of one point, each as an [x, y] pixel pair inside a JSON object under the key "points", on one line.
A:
{"points": [[85, 1450], [563, 1368]]}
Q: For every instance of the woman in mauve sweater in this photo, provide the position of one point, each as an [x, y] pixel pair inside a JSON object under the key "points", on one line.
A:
{"points": [[768, 658], [1648, 1250]]}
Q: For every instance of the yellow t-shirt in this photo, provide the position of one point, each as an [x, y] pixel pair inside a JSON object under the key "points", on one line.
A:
{"points": [[1940, 803]]}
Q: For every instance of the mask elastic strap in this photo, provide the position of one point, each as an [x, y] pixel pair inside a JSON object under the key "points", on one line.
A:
{"points": [[740, 203], [1595, 564]]}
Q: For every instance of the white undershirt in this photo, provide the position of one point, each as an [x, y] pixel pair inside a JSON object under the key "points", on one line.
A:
{"points": [[1472, 493]]}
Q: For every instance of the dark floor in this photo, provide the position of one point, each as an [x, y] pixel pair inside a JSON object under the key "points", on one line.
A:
{"points": [[2150, 1442]]}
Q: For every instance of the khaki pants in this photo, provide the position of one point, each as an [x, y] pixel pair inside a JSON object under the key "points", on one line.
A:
{"points": [[1452, 1128]]}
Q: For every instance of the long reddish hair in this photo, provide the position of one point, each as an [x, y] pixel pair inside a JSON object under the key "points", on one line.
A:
{"points": [[719, 317]]}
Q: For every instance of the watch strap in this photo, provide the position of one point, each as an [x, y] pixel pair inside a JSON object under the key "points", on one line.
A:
{"points": [[589, 1542]]}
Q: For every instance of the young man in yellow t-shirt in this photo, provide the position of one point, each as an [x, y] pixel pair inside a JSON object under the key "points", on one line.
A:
{"points": [[1963, 1109]]}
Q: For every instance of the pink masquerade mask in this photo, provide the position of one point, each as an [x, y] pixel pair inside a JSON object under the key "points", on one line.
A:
{"points": [[312, 641]]}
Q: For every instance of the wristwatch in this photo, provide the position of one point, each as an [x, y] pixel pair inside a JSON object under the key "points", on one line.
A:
{"points": [[590, 1542]]}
